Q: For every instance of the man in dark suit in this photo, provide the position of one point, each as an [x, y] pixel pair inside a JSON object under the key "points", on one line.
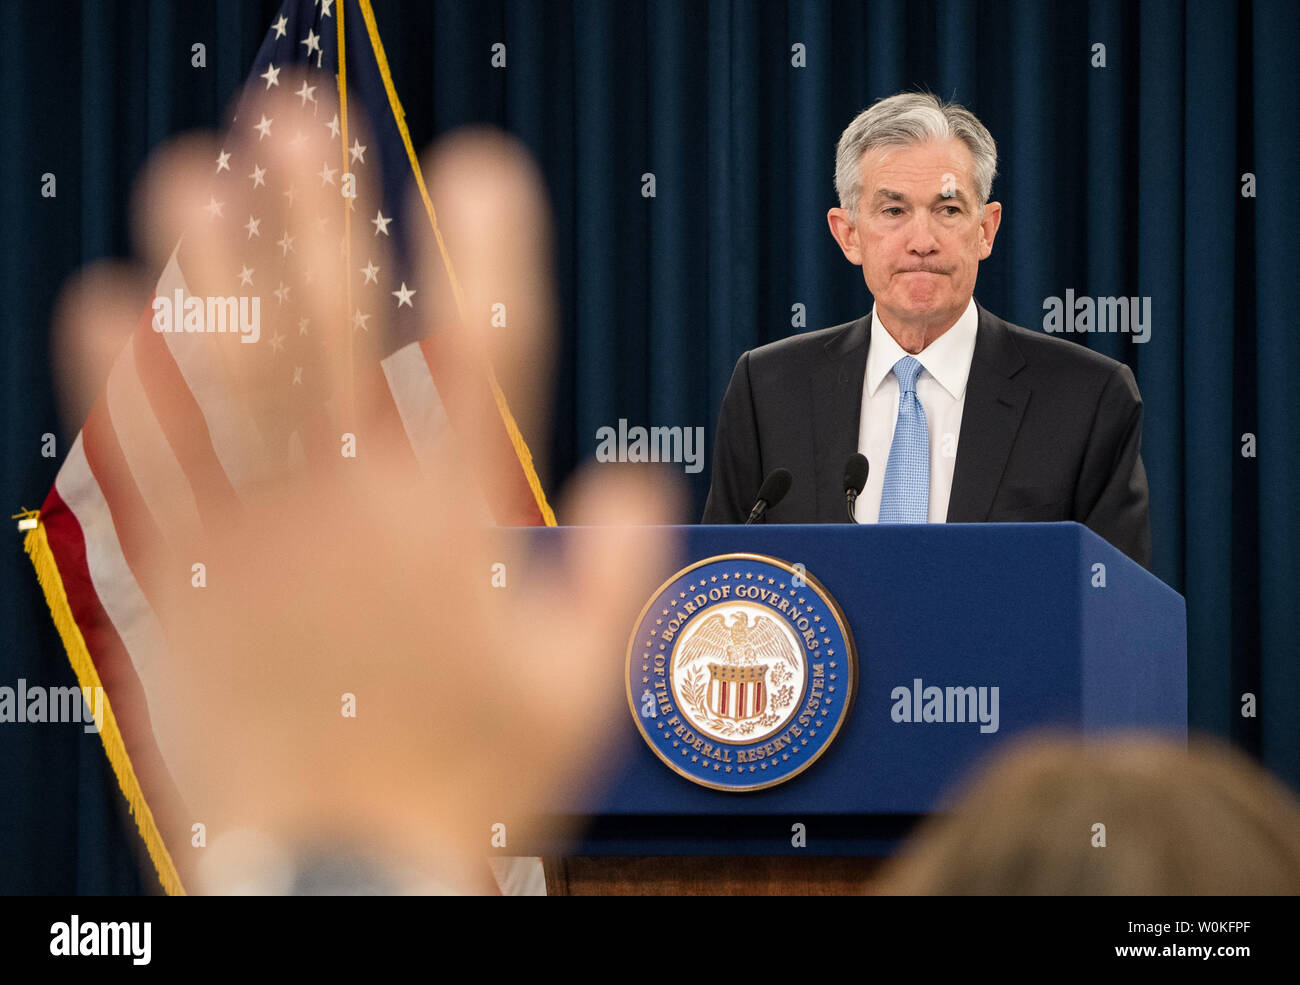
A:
{"points": [[962, 416]]}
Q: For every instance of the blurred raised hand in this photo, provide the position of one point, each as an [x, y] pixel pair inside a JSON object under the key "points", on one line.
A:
{"points": [[335, 580]]}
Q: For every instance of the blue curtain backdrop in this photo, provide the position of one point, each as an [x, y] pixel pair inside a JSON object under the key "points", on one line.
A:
{"points": [[1116, 180]]}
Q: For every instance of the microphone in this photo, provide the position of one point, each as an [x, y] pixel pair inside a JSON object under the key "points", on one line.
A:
{"points": [[855, 477], [773, 490]]}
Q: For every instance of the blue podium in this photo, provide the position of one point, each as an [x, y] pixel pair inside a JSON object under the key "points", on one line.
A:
{"points": [[1051, 625]]}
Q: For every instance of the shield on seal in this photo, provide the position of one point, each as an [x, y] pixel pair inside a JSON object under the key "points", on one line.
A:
{"points": [[737, 693]]}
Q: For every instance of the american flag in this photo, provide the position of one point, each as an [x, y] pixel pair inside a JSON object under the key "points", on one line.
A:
{"points": [[167, 429]]}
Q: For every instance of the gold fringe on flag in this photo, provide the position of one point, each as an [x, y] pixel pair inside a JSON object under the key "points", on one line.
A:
{"points": [[37, 546]]}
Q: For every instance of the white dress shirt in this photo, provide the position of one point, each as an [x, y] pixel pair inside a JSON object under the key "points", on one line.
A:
{"points": [[941, 388]]}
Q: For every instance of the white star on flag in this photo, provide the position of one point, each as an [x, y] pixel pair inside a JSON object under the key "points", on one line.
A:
{"points": [[403, 295]]}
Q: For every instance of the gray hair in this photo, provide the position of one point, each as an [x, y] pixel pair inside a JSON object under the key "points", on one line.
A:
{"points": [[910, 118]]}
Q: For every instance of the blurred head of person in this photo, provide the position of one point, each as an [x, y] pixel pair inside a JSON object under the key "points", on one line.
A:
{"points": [[1123, 815]]}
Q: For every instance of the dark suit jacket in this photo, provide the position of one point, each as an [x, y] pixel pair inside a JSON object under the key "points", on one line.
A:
{"points": [[1050, 431]]}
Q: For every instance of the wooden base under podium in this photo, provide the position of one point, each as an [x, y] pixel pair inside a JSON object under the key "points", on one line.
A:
{"points": [[710, 876]]}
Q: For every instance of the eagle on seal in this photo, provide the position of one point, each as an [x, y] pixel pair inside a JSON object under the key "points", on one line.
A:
{"points": [[740, 644]]}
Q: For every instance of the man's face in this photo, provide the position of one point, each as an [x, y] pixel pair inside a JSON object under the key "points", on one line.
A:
{"points": [[918, 235]]}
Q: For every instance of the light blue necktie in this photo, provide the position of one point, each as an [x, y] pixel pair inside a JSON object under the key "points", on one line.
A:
{"points": [[906, 496]]}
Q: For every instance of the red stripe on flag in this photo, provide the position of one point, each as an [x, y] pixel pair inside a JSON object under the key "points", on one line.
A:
{"points": [[136, 530], [117, 674], [150, 557], [182, 422]]}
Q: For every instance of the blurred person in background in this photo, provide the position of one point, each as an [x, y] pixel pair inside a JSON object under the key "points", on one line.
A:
{"points": [[1193, 820]]}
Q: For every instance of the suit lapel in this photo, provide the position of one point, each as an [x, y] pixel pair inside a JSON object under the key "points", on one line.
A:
{"points": [[837, 407], [995, 404]]}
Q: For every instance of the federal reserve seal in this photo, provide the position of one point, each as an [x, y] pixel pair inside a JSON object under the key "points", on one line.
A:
{"points": [[740, 672]]}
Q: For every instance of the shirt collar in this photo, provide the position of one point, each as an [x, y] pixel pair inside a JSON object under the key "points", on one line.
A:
{"points": [[947, 358]]}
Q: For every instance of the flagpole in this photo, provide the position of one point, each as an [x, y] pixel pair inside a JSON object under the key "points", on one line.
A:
{"points": [[520, 446]]}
